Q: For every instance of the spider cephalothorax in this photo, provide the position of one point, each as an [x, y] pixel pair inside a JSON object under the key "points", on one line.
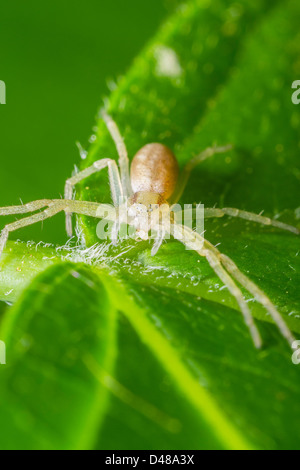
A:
{"points": [[144, 200]]}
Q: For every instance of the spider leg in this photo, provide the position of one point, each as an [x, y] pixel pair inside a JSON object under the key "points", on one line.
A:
{"points": [[96, 210], [215, 258], [91, 209], [259, 295], [236, 292], [25, 208], [158, 241], [213, 212], [115, 231], [49, 212], [191, 164], [114, 180], [185, 235], [122, 151]]}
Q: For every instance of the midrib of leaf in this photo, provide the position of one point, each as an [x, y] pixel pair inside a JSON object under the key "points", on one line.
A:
{"points": [[92, 422], [207, 408]]}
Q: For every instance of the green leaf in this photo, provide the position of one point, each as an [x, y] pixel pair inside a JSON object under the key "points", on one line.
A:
{"points": [[61, 364], [231, 89], [48, 397], [20, 263], [188, 115], [190, 352], [186, 374]]}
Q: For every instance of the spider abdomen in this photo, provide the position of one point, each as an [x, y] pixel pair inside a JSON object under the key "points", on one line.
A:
{"points": [[154, 169]]}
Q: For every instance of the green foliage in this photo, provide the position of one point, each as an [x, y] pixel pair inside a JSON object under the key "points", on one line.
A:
{"points": [[143, 352]]}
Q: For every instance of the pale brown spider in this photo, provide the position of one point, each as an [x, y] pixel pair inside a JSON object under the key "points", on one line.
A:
{"points": [[152, 184]]}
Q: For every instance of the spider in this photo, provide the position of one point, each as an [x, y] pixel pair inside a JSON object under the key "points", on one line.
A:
{"points": [[154, 182]]}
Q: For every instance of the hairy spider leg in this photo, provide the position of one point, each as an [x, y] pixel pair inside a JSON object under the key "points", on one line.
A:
{"points": [[194, 241], [25, 208], [122, 152], [191, 164], [115, 231], [259, 295], [49, 212], [222, 265], [158, 241], [91, 209], [114, 181], [189, 216], [214, 212]]}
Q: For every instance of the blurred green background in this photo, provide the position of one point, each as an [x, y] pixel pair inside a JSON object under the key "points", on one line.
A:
{"points": [[57, 59]]}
